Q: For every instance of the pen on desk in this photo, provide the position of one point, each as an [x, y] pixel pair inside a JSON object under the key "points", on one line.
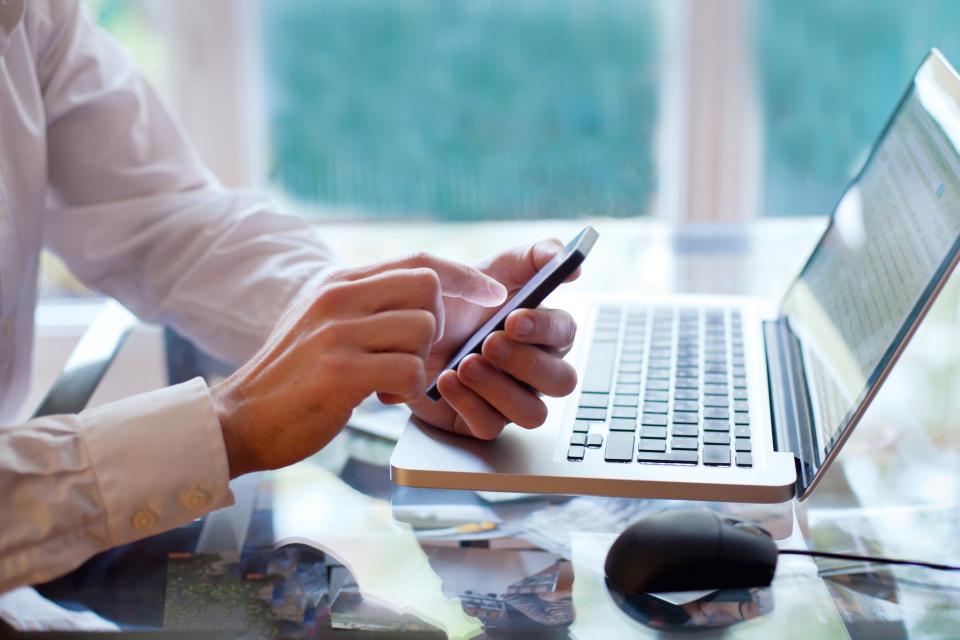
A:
{"points": [[472, 527]]}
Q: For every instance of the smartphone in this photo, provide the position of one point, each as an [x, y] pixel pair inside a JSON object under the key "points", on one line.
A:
{"points": [[527, 297]]}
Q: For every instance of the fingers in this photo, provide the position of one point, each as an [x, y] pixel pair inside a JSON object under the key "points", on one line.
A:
{"points": [[515, 266], [403, 331], [456, 280], [394, 377], [474, 416], [537, 368], [417, 288], [552, 328], [513, 401]]}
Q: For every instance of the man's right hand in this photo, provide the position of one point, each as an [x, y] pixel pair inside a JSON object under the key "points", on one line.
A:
{"points": [[366, 330]]}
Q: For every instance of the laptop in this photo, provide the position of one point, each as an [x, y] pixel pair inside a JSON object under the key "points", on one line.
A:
{"points": [[733, 399]]}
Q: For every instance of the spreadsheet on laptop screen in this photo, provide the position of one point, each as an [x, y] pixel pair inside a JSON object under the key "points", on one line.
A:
{"points": [[889, 240]]}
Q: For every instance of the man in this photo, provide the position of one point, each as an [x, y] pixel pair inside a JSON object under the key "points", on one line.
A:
{"points": [[93, 166]]}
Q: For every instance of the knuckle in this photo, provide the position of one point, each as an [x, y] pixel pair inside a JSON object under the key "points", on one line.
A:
{"points": [[567, 381], [409, 373], [331, 297]]}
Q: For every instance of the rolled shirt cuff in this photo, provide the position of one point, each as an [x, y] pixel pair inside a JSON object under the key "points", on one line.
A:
{"points": [[159, 459]]}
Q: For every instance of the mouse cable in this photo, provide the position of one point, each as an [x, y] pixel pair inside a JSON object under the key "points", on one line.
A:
{"points": [[847, 556]]}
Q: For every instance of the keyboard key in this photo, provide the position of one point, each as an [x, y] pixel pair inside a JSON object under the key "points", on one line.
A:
{"points": [[686, 405], [742, 431], [626, 401], [685, 430], [716, 367], [597, 400], [741, 418], [627, 389], [716, 455], [686, 394], [594, 440], [656, 396], [598, 374], [658, 374], [716, 412], [714, 390], [630, 378], [588, 413], [674, 457], [624, 412], [686, 417], [630, 367], [716, 437], [651, 444], [714, 378], [575, 452], [739, 394], [744, 459], [582, 426], [653, 432], [619, 447], [622, 424], [741, 405], [687, 372], [683, 442], [686, 383], [742, 444], [716, 401], [739, 382], [657, 385], [711, 424], [655, 407], [654, 419], [579, 439]]}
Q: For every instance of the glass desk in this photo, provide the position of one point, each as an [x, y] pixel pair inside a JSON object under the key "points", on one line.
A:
{"points": [[360, 557]]}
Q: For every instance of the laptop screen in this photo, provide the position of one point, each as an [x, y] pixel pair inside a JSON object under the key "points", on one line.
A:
{"points": [[890, 242]]}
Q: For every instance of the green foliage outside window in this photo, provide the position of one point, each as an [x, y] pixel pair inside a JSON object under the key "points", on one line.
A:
{"points": [[463, 109]]}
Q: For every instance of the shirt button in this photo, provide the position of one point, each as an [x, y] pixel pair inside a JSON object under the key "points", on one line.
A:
{"points": [[193, 499], [143, 519]]}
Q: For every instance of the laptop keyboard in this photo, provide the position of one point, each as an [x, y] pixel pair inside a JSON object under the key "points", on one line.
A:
{"points": [[665, 385]]}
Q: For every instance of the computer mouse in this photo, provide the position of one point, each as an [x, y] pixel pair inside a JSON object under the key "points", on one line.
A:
{"points": [[690, 549]]}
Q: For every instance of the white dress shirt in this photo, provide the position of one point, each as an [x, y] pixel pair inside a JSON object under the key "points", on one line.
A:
{"points": [[93, 166]]}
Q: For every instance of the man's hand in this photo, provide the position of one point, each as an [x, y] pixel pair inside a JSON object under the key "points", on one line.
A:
{"points": [[366, 330], [525, 359]]}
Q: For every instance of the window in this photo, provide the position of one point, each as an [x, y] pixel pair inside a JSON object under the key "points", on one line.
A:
{"points": [[830, 74], [462, 110]]}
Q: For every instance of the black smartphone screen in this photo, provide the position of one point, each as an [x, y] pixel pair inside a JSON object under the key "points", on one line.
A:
{"points": [[528, 296]]}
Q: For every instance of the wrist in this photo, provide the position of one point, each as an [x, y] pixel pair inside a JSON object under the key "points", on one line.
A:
{"points": [[239, 455]]}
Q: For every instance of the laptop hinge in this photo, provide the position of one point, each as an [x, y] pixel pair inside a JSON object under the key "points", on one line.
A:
{"points": [[791, 413]]}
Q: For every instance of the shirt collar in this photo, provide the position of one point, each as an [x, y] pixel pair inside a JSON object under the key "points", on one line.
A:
{"points": [[11, 14]]}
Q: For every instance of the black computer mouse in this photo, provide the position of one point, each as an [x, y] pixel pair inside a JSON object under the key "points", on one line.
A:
{"points": [[691, 549]]}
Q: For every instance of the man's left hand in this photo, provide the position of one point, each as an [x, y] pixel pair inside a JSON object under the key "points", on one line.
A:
{"points": [[517, 364]]}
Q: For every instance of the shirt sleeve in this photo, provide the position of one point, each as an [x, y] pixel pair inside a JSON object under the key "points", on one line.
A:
{"points": [[136, 215], [75, 485]]}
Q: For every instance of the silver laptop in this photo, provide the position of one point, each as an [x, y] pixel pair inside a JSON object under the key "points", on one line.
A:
{"points": [[731, 399]]}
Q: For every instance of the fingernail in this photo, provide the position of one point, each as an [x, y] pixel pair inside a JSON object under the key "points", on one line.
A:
{"points": [[471, 371], [523, 326], [496, 348], [497, 290]]}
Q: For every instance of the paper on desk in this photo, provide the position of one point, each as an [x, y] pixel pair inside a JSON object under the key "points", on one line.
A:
{"points": [[26, 610], [802, 608], [314, 507], [549, 528]]}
